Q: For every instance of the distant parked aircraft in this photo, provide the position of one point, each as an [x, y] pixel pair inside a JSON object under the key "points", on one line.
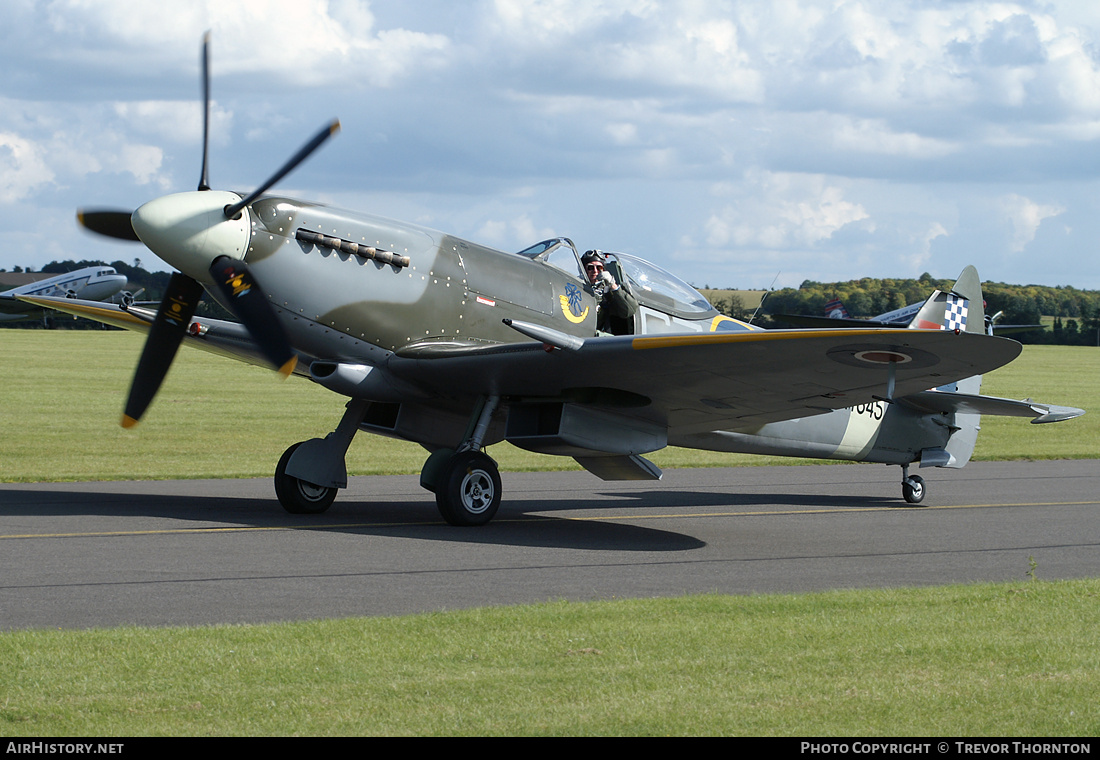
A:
{"points": [[89, 284], [836, 315]]}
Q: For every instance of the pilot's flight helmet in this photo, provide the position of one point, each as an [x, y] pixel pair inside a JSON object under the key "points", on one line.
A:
{"points": [[590, 256]]}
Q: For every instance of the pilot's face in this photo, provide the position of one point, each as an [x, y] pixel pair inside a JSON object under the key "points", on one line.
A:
{"points": [[593, 269]]}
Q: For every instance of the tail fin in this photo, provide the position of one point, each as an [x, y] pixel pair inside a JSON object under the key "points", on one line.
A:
{"points": [[962, 308]]}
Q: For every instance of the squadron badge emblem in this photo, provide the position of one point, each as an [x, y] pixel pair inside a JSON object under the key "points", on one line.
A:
{"points": [[571, 304]]}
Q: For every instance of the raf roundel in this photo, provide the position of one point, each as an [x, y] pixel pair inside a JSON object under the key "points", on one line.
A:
{"points": [[871, 355], [883, 357]]}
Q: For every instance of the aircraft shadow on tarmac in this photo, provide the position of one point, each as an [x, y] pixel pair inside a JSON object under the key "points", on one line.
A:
{"points": [[521, 522], [405, 519]]}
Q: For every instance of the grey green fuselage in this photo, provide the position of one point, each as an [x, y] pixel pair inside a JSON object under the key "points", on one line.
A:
{"points": [[454, 295], [452, 291]]}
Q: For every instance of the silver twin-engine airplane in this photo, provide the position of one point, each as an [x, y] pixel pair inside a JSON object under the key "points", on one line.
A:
{"points": [[90, 283], [457, 346]]}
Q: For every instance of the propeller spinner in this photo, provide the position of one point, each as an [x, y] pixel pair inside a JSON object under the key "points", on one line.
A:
{"points": [[205, 235]]}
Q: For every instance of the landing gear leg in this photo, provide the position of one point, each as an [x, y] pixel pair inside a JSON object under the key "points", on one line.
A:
{"points": [[912, 488], [466, 482], [310, 473]]}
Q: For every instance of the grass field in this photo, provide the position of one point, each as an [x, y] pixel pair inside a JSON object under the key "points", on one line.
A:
{"points": [[62, 395], [988, 660]]}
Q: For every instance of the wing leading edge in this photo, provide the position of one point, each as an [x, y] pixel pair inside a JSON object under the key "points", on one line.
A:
{"points": [[216, 336]]}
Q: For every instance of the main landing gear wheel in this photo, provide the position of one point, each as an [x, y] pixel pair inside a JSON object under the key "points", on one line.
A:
{"points": [[912, 488], [300, 497], [469, 491]]}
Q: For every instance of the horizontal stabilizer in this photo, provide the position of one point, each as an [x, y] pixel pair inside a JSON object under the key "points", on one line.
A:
{"points": [[937, 458], [946, 403]]}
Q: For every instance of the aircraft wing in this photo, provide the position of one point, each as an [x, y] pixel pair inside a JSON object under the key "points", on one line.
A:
{"points": [[686, 383], [216, 336], [707, 381]]}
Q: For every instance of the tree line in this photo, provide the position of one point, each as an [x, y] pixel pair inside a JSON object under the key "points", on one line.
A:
{"points": [[1072, 315]]}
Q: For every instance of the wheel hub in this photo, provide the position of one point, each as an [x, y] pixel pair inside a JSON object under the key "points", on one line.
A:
{"points": [[311, 492], [477, 491]]}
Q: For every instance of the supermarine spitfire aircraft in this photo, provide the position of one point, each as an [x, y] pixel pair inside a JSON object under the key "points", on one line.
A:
{"points": [[457, 346]]}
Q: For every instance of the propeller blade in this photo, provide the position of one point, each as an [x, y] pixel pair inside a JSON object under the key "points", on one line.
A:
{"points": [[231, 211], [248, 302], [109, 222], [165, 334], [204, 180]]}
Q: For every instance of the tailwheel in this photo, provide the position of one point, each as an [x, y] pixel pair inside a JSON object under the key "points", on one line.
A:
{"points": [[912, 488], [469, 489], [300, 497]]}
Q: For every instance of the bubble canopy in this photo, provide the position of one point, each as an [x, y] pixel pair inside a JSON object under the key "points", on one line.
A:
{"points": [[649, 283]]}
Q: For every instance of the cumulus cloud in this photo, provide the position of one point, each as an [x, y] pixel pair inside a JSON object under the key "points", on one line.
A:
{"points": [[922, 253], [550, 21], [785, 211], [142, 162], [178, 121], [22, 167], [876, 136], [1013, 41], [516, 232], [1025, 216], [699, 54], [305, 43]]}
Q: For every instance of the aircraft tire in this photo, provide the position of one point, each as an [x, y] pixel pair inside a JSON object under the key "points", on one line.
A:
{"points": [[913, 489], [299, 497], [469, 492]]}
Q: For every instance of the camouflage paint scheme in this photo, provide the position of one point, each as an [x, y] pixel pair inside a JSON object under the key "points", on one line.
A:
{"points": [[422, 341]]}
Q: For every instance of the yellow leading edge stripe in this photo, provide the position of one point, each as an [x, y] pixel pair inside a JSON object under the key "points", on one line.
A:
{"points": [[114, 316], [702, 339]]}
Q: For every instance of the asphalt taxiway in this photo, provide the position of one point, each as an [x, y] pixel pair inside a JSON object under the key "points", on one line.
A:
{"points": [[78, 555]]}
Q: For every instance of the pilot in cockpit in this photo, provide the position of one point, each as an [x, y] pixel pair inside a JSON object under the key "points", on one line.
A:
{"points": [[616, 305]]}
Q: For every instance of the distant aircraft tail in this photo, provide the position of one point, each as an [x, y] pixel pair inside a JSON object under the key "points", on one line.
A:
{"points": [[835, 310]]}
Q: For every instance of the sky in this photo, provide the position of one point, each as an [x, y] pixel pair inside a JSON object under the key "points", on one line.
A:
{"points": [[736, 144]]}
